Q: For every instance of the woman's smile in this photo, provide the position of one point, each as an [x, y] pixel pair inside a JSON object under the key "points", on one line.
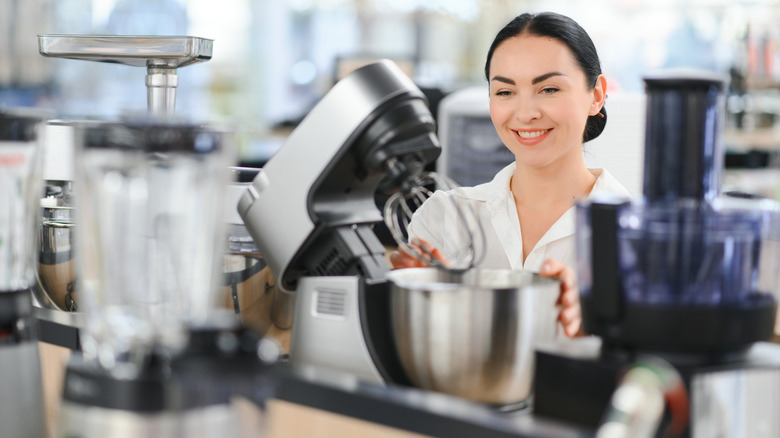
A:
{"points": [[530, 137]]}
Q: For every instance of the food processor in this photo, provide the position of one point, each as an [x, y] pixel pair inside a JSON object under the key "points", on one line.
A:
{"points": [[684, 273], [22, 414]]}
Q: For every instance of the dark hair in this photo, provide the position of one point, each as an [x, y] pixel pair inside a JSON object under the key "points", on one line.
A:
{"points": [[567, 31]]}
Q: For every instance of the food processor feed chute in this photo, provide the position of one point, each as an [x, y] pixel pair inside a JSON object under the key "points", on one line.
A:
{"points": [[677, 270]]}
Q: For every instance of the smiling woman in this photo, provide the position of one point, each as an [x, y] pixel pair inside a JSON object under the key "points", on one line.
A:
{"points": [[547, 97]]}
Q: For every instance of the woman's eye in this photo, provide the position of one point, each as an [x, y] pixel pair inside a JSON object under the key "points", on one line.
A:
{"points": [[503, 93], [549, 90]]}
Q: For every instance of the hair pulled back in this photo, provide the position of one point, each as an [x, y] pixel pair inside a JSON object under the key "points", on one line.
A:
{"points": [[567, 31]]}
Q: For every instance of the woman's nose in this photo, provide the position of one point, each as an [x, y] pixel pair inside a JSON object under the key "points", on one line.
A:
{"points": [[526, 110]]}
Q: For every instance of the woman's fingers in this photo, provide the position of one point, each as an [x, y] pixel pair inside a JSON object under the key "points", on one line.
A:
{"points": [[571, 320], [428, 251], [400, 259], [570, 315]]}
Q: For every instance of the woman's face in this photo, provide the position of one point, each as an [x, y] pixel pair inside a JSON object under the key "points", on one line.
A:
{"points": [[539, 100]]}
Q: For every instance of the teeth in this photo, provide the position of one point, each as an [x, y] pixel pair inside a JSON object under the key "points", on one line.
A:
{"points": [[532, 134]]}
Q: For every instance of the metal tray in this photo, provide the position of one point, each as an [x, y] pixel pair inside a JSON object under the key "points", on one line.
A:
{"points": [[134, 50]]}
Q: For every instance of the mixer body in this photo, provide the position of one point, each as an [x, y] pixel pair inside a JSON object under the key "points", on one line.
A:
{"points": [[371, 133]]}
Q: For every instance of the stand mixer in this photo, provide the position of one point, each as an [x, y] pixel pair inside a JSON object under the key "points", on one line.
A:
{"points": [[325, 241], [372, 133]]}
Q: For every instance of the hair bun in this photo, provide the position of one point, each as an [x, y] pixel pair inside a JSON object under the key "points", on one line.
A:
{"points": [[595, 125]]}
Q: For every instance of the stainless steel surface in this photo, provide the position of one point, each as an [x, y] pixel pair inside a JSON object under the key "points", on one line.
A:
{"points": [[75, 320], [133, 50], [56, 284], [473, 339], [161, 55]]}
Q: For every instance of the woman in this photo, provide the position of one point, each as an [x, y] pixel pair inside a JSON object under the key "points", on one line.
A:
{"points": [[546, 99]]}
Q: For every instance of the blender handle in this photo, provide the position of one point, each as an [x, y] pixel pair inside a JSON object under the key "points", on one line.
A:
{"points": [[607, 292]]}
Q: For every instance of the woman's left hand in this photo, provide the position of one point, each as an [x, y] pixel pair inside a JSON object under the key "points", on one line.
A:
{"points": [[570, 315]]}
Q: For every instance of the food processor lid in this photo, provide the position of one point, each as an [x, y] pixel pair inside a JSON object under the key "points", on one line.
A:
{"points": [[685, 77]]}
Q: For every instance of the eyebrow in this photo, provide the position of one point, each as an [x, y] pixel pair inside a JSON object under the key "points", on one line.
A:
{"points": [[534, 81]]}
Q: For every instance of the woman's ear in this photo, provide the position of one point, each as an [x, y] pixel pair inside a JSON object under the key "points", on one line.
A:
{"points": [[599, 94]]}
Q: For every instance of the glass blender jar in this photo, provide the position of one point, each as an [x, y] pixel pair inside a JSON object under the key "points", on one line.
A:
{"points": [[151, 195], [151, 201]]}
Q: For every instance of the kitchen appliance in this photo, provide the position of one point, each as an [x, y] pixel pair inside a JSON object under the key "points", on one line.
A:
{"points": [[249, 286], [372, 132], [151, 192], [161, 55], [56, 286], [681, 273], [22, 413], [160, 355], [473, 338]]}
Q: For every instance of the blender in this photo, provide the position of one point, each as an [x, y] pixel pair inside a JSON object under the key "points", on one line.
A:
{"points": [[684, 274], [22, 414], [151, 194], [160, 354]]}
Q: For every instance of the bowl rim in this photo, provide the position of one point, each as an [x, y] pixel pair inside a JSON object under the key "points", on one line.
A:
{"points": [[399, 277]]}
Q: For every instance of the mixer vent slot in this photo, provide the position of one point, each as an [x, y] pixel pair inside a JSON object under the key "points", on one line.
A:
{"points": [[331, 264], [331, 303]]}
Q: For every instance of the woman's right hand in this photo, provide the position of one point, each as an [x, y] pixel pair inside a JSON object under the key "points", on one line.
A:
{"points": [[401, 259]]}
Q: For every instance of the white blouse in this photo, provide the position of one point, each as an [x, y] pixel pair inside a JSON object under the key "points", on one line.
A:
{"points": [[494, 204]]}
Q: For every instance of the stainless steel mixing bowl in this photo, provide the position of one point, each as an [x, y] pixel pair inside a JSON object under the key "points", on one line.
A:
{"points": [[473, 338]]}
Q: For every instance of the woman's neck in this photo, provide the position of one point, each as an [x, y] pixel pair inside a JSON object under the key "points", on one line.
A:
{"points": [[559, 182]]}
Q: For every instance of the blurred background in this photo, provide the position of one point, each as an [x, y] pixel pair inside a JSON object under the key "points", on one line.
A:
{"points": [[274, 59]]}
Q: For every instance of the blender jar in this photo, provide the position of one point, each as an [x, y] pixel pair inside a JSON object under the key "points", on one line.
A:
{"points": [[149, 198]]}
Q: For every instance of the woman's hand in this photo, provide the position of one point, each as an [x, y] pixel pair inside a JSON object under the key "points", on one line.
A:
{"points": [[570, 315], [401, 259]]}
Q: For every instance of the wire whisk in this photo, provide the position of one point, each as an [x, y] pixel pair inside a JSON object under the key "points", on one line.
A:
{"points": [[459, 217]]}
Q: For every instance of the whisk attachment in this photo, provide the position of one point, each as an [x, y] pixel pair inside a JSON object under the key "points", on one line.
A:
{"points": [[458, 216]]}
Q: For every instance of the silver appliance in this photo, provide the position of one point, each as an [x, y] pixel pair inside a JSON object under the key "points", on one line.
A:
{"points": [[56, 287], [160, 355], [311, 211], [22, 414]]}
